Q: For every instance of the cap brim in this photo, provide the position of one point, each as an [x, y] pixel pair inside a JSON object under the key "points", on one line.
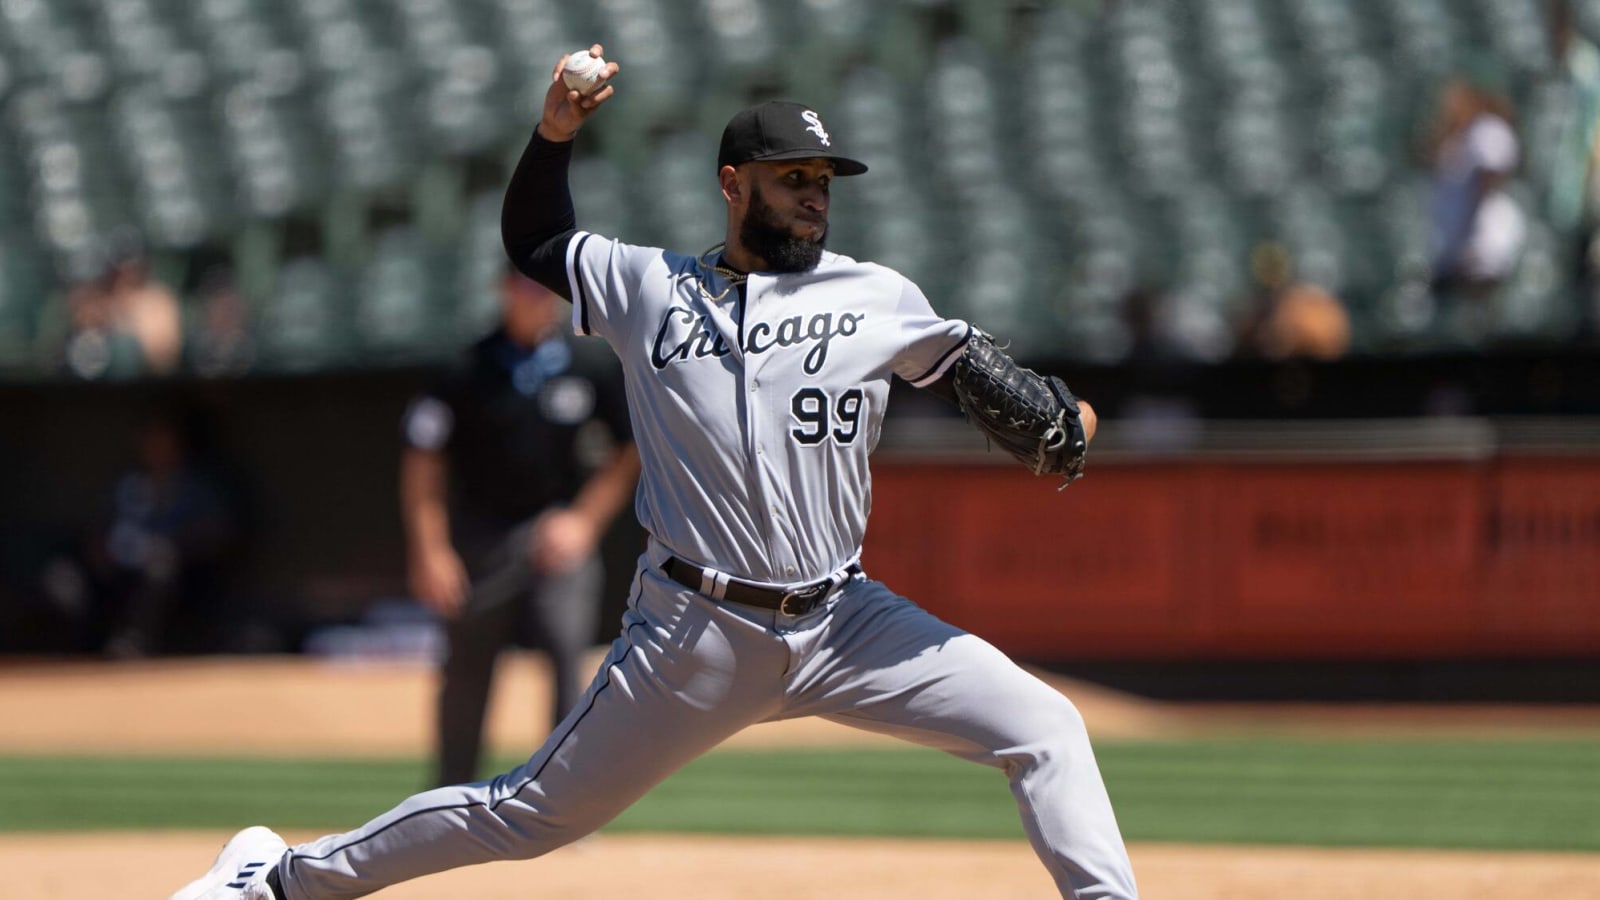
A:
{"points": [[842, 165]]}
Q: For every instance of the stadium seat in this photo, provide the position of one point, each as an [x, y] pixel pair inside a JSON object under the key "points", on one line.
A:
{"points": [[47, 45], [244, 42], [1517, 34], [399, 297], [455, 76], [963, 97], [1060, 124], [886, 216], [1210, 245], [365, 121], [600, 192], [1329, 29], [145, 44], [177, 195], [834, 30], [646, 34], [999, 274], [1101, 268], [1353, 127], [529, 36], [742, 36], [1235, 39], [1426, 35], [1153, 94], [270, 152], [304, 326], [480, 261], [1402, 313], [1259, 145], [1536, 301], [23, 291], [685, 212]]}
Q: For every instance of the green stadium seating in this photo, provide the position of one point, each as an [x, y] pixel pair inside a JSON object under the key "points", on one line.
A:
{"points": [[1536, 302], [601, 196], [472, 304], [887, 216], [23, 292], [400, 296], [1032, 163], [684, 212], [304, 325]]}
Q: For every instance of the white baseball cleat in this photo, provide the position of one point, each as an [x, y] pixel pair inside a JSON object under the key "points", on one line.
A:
{"points": [[240, 871]]}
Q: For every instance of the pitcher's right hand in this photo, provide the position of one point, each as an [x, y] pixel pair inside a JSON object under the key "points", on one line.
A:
{"points": [[565, 109]]}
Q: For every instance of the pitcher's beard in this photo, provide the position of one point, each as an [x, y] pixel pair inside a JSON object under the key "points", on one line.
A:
{"points": [[764, 235]]}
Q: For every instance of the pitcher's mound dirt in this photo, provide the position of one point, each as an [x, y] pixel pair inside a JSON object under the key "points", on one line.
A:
{"points": [[91, 867], [330, 708]]}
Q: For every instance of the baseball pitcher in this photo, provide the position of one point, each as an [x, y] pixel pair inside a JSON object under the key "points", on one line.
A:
{"points": [[756, 375]]}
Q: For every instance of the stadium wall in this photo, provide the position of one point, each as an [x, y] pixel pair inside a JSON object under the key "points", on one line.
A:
{"points": [[1203, 540], [1190, 560]]}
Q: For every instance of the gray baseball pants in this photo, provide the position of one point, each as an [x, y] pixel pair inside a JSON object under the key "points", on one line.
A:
{"points": [[688, 672]]}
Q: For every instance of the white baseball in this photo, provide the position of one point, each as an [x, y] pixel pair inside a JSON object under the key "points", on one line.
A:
{"points": [[582, 72]]}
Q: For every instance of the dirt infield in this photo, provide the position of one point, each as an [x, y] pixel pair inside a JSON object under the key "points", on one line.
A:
{"points": [[333, 709], [44, 867]]}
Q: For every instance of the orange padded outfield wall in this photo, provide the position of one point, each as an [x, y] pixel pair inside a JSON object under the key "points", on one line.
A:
{"points": [[1196, 560]]}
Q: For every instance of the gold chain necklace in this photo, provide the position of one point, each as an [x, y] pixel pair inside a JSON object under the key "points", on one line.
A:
{"points": [[733, 277]]}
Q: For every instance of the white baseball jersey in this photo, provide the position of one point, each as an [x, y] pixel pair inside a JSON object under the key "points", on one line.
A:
{"points": [[755, 412]]}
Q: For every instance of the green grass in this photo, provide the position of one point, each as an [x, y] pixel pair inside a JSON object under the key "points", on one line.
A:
{"points": [[1489, 795]]}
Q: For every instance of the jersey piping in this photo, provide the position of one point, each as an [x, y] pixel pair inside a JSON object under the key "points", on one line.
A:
{"points": [[580, 294]]}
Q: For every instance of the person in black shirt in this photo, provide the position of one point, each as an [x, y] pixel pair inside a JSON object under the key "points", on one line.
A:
{"points": [[506, 489]]}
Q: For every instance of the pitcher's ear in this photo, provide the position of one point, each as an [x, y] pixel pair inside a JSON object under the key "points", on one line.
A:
{"points": [[731, 188]]}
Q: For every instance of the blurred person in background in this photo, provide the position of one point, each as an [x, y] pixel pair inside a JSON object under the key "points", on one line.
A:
{"points": [[1572, 194], [159, 564], [506, 489], [1477, 228], [1292, 318], [145, 307], [219, 342], [98, 344], [1158, 411]]}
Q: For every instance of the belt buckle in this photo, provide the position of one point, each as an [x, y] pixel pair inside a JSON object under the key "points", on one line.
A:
{"points": [[808, 598]]}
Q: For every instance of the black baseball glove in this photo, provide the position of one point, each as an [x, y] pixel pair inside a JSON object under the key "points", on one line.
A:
{"points": [[1031, 417]]}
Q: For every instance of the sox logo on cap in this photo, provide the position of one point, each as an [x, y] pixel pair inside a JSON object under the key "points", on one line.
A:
{"points": [[815, 123]]}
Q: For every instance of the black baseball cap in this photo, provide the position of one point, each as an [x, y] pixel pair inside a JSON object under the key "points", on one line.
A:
{"points": [[781, 129]]}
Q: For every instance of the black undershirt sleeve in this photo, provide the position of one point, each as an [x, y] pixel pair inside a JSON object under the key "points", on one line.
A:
{"points": [[537, 219], [944, 387]]}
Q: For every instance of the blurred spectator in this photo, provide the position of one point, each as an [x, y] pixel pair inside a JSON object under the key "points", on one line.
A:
{"points": [[1292, 319], [1477, 228], [1147, 345], [1157, 413], [220, 343], [44, 592], [147, 308], [1571, 194], [157, 566], [98, 346], [1176, 326]]}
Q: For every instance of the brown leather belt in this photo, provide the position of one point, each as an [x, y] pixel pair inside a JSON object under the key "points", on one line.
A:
{"points": [[797, 602]]}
